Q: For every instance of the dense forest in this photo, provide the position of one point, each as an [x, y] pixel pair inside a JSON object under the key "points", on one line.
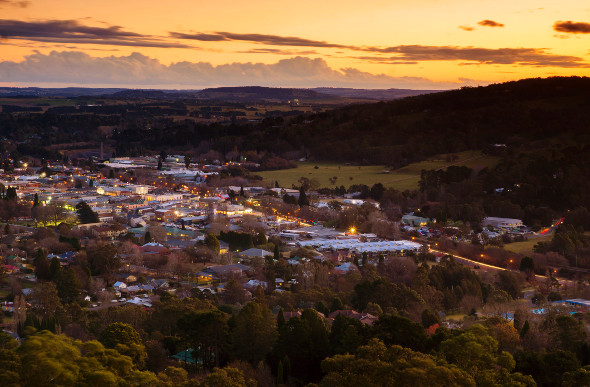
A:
{"points": [[399, 132], [392, 133]]}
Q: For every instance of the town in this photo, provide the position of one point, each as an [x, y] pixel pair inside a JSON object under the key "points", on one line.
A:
{"points": [[124, 237], [153, 250]]}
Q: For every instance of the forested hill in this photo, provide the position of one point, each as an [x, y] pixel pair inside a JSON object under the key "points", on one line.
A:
{"points": [[258, 93], [372, 94], [411, 129]]}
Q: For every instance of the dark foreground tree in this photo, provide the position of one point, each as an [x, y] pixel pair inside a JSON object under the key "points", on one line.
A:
{"points": [[85, 213]]}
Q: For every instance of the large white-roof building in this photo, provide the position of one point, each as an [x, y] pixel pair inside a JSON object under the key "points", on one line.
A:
{"points": [[361, 247], [502, 222]]}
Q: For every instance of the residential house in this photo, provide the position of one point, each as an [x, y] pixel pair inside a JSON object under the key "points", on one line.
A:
{"points": [[254, 283], [160, 284], [414, 221], [119, 285], [255, 253], [109, 232], [133, 289], [365, 318], [227, 271]]}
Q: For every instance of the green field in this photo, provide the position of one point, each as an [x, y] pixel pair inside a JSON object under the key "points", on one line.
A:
{"points": [[526, 247], [347, 175]]}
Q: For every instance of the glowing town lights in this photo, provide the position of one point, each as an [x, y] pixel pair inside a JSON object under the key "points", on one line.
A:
{"points": [[352, 230]]}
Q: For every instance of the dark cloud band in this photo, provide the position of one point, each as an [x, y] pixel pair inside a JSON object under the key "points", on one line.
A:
{"points": [[71, 31], [273, 40], [505, 56], [572, 28], [490, 23]]}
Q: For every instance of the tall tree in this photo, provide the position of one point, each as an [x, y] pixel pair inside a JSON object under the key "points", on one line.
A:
{"points": [[476, 352], [68, 286], [11, 193], [212, 242], [85, 213], [207, 333], [303, 200], [103, 259], [255, 332], [378, 365], [54, 268], [125, 339], [305, 341], [41, 264]]}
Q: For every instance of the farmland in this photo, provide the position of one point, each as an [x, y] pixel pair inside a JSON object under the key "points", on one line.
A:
{"points": [[526, 247], [405, 178]]}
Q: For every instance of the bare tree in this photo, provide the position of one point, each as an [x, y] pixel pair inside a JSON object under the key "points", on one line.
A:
{"points": [[157, 232], [399, 269], [45, 299], [96, 286], [218, 225], [105, 296], [131, 253]]}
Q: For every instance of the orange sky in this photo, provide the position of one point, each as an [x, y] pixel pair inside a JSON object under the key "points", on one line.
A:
{"points": [[373, 43]]}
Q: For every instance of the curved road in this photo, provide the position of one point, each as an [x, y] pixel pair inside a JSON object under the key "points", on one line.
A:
{"points": [[471, 262]]}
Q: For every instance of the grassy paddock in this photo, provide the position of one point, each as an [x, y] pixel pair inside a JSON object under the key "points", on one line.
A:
{"points": [[347, 175], [526, 247]]}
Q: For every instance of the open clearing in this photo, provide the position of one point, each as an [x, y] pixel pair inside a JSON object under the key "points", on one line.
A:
{"points": [[526, 247], [405, 178]]}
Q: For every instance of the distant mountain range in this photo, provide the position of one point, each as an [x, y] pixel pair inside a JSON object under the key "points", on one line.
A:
{"points": [[229, 94], [66, 92], [373, 94]]}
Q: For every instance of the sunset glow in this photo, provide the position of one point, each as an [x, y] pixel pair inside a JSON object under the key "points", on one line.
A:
{"points": [[427, 44]]}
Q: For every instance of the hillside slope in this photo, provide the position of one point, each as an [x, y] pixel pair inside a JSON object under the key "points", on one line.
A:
{"points": [[398, 132]]}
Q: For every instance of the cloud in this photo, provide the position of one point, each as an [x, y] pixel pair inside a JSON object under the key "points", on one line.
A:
{"points": [[137, 70], [490, 23], [18, 4], [409, 54], [507, 56], [272, 40], [572, 28], [71, 31], [277, 51]]}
